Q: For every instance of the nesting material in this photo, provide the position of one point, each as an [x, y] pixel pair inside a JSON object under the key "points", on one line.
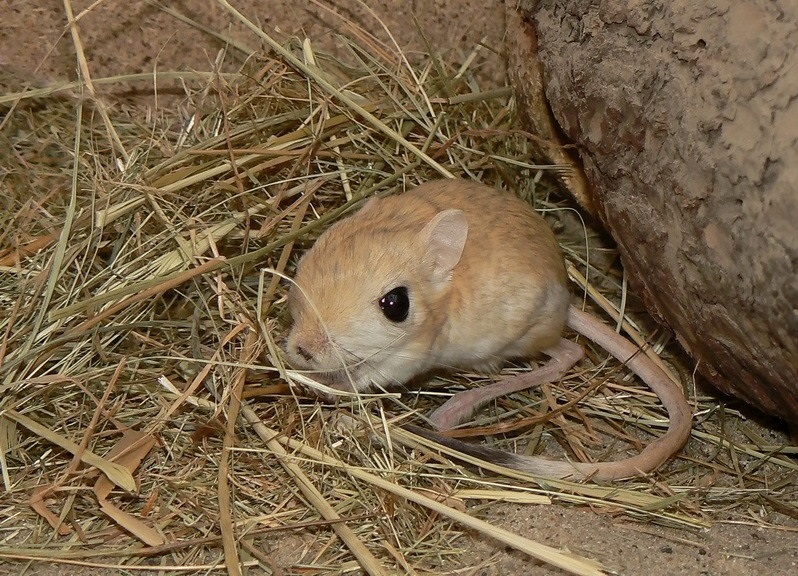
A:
{"points": [[146, 415]]}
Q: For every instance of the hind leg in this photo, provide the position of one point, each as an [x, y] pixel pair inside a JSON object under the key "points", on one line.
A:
{"points": [[462, 405]]}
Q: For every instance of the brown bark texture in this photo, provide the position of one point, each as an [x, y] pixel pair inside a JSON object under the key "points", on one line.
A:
{"points": [[685, 115]]}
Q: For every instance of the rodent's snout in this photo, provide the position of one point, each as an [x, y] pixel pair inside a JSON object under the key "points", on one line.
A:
{"points": [[300, 353], [309, 347], [311, 351]]}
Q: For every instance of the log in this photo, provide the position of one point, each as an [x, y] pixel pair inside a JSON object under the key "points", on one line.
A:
{"points": [[685, 118]]}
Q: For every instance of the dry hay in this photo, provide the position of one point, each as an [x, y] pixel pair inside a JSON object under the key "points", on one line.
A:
{"points": [[145, 414]]}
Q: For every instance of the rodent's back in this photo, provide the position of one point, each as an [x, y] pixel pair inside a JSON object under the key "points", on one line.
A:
{"points": [[499, 222]]}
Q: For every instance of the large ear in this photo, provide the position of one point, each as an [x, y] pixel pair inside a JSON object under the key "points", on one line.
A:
{"points": [[444, 238]]}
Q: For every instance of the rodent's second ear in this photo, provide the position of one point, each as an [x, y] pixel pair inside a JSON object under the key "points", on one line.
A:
{"points": [[444, 238]]}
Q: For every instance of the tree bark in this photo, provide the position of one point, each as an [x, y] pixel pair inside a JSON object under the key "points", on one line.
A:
{"points": [[685, 115]]}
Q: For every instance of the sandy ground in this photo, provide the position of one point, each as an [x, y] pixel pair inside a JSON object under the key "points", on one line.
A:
{"points": [[126, 37]]}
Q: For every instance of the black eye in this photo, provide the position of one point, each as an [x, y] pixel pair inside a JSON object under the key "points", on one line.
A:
{"points": [[395, 304]]}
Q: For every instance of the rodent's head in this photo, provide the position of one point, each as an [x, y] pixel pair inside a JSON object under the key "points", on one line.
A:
{"points": [[369, 297]]}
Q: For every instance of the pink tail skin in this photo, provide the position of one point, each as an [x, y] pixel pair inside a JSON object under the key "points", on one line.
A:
{"points": [[462, 405], [564, 355]]}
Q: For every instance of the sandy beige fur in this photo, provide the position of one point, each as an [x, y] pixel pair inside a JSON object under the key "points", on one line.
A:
{"points": [[487, 283]]}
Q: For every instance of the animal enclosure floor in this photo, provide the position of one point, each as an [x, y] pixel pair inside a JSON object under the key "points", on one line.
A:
{"points": [[132, 37]]}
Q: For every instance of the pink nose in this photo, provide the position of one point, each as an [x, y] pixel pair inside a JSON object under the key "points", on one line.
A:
{"points": [[303, 353]]}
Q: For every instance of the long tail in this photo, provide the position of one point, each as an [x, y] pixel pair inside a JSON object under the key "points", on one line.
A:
{"points": [[652, 456]]}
